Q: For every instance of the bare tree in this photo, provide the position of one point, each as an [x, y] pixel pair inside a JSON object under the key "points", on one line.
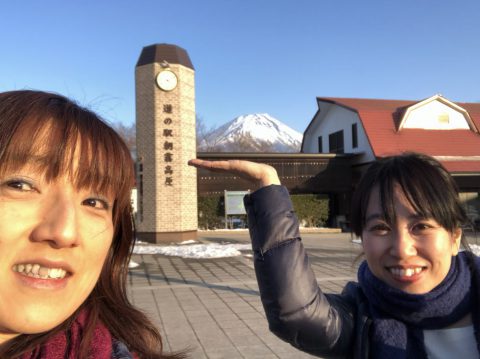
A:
{"points": [[127, 132], [247, 143], [205, 141]]}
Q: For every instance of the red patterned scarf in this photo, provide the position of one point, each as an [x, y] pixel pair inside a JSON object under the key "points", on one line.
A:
{"points": [[66, 344]]}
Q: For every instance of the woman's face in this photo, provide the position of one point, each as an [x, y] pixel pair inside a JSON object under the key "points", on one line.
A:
{"points": [[54, 240], [413, 255]]}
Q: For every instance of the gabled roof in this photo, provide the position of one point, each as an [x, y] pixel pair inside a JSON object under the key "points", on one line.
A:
{"points": [[381, 120]]}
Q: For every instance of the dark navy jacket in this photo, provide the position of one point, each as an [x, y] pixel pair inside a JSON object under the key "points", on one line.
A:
{"points": [[327, 325]]}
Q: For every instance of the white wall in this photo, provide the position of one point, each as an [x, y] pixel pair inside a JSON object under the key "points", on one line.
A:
{"points": [[428, 117], [333, 118]]}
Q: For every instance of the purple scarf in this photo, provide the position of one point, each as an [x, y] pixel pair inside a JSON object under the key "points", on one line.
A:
{"points": [[399, 318]]}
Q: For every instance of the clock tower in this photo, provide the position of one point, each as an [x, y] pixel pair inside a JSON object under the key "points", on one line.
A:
{"points": [[165, 111]]}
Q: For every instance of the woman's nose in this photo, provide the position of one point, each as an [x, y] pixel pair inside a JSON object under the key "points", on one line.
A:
{"points": [[58, 223], [403, 244]]}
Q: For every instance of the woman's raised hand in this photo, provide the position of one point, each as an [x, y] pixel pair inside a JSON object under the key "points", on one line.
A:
{"points": [[257, 173]]}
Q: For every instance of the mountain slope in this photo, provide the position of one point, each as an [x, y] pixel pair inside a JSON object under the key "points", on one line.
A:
{"points": [[255, 132]]}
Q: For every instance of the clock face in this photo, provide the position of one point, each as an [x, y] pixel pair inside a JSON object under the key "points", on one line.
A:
{"points": [[167, 80]]}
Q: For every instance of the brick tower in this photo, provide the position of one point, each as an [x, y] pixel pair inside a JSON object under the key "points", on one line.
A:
{"points": [[165, 111]]}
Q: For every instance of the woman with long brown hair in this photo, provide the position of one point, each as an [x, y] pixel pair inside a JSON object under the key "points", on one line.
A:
{"points": [[66, 235]]}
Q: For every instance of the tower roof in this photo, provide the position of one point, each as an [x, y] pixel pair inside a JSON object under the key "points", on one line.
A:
{"points": [[158, 53]]}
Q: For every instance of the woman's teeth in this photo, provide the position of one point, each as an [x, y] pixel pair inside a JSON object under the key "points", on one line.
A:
{"points": [[37, 271], [408, 272]]}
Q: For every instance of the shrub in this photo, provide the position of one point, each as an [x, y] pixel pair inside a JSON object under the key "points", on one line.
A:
{"points": [[311, 209], [211, 212]]}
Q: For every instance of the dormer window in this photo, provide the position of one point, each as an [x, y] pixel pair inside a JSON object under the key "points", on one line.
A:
{"points": [[436, 113]]}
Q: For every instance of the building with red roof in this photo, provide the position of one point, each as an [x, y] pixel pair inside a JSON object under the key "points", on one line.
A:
{"points": [[373, 128]]}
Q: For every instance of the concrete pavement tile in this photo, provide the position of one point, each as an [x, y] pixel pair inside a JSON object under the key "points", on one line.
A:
{"points": [[278, 345], [214, 340], [193, 307], [251, 315], [252, 351], [296, 354], [229, 324], [197, 354], [224, 316], [201, 320], [221, 309], [181, 343], [196, 312], [204, 326], [231, 353], [247, 340], [175, 322]]}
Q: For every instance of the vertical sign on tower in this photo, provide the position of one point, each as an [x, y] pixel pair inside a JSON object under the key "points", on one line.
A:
{"points": [[165, 110]]}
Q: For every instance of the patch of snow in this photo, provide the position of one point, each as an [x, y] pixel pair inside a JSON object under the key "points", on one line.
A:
{"points": [[189, 241], [133, 264], [211, 250], [225, 230]]}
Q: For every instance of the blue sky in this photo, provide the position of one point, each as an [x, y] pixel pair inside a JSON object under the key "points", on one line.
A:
{"points": [[250, 56]]}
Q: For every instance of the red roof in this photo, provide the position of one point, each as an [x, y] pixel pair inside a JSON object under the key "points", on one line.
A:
{"points": [[462, 166], [380, 121]]}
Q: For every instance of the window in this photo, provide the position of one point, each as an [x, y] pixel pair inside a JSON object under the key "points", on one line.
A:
{"points": [[354, 136], [320, 144], [335, 142], [444, 118]]}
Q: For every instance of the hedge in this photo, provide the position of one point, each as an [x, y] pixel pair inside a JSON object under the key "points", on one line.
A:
{"points": [[211, 212], [311, 210]]}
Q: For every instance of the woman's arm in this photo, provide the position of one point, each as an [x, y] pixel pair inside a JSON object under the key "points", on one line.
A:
{"points": [[296, 309]]}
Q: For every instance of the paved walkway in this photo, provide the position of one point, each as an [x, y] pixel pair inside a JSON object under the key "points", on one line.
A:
{"points": [[212, 306]]}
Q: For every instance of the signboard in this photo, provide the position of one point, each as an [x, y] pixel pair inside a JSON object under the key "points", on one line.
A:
{"points": [[234, 202]]}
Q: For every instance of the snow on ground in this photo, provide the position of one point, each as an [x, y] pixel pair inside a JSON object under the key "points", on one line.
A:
{"points": [[190, 241], [211, 250], [192, 249], [133, 264]]}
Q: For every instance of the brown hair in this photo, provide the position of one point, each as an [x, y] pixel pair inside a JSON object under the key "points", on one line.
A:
{"points": [[103, 162]]}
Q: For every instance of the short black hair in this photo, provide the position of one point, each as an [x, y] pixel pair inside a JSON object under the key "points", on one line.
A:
{"points": [[426, 184]]}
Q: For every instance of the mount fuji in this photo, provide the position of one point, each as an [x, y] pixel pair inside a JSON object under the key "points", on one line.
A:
{"points": [[252, 133]]}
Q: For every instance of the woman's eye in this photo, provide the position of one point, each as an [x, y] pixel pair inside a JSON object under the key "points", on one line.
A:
{"points": [[20, 186], [418, 227], [380, 229], [96, 203]]}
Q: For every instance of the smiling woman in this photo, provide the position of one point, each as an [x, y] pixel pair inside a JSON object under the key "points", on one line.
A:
{"points": [[417, 294], [66, 234]]}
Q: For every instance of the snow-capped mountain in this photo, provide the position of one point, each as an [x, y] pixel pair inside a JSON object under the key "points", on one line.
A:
{"points": [[255, 132]]}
